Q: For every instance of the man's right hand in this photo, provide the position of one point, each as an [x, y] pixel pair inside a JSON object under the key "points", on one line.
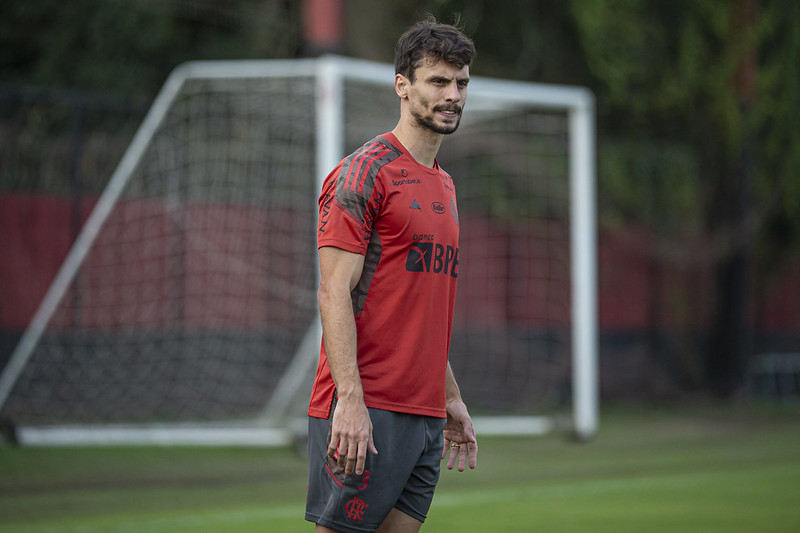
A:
{"points": [[351, 435]]}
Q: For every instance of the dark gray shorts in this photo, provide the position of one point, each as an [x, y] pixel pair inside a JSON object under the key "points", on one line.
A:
{"points": [[402, 475]]}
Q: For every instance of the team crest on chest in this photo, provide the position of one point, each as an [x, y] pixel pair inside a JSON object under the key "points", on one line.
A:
{"points": [[454, 210]]}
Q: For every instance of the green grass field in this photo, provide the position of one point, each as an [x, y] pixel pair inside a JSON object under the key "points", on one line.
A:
{"points": [[648, 470]]}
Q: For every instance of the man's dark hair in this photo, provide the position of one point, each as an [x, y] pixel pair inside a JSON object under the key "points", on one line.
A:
{"points": [[429, 40]]}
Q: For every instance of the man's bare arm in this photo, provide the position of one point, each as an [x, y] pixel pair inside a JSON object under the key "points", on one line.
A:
{"points": [[351, 433], [459, 432]]}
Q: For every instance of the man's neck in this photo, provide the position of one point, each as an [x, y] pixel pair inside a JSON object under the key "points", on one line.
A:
{"points": [[421, 143]]}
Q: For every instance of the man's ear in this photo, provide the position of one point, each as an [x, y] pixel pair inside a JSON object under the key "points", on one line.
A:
{"points": [[401, 84]]}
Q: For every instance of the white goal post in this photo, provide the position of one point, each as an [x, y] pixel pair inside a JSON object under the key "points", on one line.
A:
{"points": [[193, 217]]}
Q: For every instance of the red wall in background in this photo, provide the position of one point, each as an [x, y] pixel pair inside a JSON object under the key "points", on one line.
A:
{"points": [[634, 293], [35, 237]]}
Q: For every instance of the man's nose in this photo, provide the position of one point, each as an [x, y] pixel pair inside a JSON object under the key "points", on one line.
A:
{"points": [[453, 94]]}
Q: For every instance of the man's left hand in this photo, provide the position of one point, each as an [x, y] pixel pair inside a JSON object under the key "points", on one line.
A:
{"points": [[459, 437]]}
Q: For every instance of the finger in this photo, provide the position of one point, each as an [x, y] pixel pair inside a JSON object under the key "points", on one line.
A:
{"points": [[372, 449], [462, 456], [473, 455], [445, 448], [341, 456], [349, 462], [361, 458], [451, 461], [333, 448], [351, 458]]}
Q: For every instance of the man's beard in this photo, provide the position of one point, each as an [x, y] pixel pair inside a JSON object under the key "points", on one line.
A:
{"points": [[430, 123]]}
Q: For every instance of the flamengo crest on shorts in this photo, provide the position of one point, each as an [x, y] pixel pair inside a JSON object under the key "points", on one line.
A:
{"points": [[355, 509]]}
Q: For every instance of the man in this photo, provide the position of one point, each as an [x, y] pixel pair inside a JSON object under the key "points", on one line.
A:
{"points": [[385, 408]]}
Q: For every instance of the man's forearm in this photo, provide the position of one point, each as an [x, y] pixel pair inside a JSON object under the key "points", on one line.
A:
{"points": [[340, 272], [452, 392], [339, 327]]}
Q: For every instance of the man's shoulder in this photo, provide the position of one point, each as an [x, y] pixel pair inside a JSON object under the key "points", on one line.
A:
{"points": [[379, 148], [361, 167]]}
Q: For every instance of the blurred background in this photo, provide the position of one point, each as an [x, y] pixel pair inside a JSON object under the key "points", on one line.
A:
{"points": [[698, 160]]}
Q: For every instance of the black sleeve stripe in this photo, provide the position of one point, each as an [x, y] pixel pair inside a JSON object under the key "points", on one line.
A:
{"points": [[359, 171]]}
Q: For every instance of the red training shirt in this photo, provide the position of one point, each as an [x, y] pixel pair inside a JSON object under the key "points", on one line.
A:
{"points": [[402, 216]]}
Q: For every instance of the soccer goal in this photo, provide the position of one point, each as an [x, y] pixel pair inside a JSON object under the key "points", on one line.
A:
{"points": [[185, 312]]}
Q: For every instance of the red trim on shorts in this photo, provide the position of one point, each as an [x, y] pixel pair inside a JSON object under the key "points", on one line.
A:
{"points": [[333, 477]]}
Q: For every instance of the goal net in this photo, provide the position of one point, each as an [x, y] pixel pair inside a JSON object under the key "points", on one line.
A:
{"points": [[186, 310]]}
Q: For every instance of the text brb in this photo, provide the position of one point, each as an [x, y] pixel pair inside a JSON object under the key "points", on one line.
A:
{"points": [[432, 257]]}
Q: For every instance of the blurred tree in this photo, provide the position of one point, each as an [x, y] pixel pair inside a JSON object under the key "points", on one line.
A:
{"points": [[718, 81], [520, 39], [776, 116], [130, 47]]}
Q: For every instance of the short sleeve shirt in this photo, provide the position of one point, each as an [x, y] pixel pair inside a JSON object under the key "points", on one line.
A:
{"points": [[402, 216]]}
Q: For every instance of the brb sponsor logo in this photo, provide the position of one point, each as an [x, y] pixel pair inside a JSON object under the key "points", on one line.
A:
{"points": [[432, 257]]}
